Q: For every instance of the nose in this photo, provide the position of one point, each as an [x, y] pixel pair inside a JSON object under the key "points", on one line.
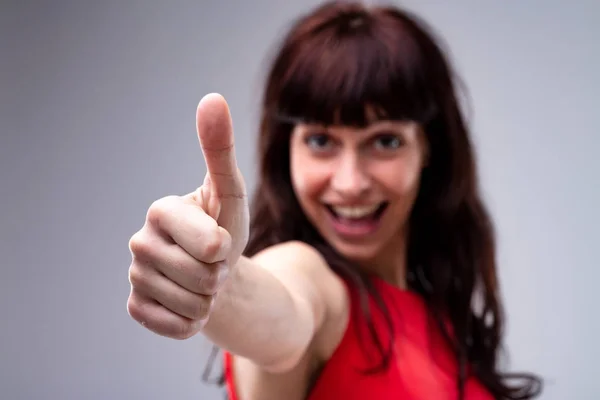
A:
{"points": [[350, 178]]}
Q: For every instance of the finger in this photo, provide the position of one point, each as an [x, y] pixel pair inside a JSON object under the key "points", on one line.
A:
{"points": [[192, 275], [160, 320], [150, 283], [215, 133], [191, 228], [180, 267], [207, 199]]}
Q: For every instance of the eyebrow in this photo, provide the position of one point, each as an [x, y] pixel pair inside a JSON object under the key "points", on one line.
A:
{"points": [[400, 127]]}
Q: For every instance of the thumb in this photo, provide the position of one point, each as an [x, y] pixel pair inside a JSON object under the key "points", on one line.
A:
{"points": [[223, 180]]}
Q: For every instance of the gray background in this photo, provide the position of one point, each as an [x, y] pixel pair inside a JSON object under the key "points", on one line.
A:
{"points": [[97, 121]]}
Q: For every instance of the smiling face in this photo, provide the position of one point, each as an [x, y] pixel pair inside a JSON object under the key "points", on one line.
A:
{"points": [[358, 186]]}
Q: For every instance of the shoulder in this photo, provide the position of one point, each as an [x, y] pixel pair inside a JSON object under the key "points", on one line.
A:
{"points": [[302, 263], [307, 276], [304, 270], [299, 253]]}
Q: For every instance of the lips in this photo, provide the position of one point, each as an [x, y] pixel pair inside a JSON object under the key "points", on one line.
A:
{"points": [[356, 213], [357, 221]]}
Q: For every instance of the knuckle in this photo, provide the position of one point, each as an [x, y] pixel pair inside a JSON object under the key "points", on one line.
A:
{"points": [[137, 277], [212, 245], [159, 209], [135, 310], [155, 212], [138, 245]]}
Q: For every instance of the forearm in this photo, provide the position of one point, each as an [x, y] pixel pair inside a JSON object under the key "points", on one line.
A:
{"points": [[257, 317]]}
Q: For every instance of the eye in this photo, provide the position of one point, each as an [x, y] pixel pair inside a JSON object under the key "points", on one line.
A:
{"points": [[319, 142], [387, 141]]}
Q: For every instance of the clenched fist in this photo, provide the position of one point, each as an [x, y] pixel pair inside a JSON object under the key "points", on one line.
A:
{"points": [[188, 244]]}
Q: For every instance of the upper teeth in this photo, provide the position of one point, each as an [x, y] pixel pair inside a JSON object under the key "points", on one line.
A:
{"points": [[355, 212]]}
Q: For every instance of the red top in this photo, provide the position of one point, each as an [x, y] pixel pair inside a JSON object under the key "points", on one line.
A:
{"points": [[422, 367]]}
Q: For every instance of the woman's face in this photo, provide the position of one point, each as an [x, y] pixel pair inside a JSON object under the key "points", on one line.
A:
{"points": [[358, 186]]}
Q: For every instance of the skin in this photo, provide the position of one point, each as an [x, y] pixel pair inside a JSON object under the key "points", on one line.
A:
{"points": [[346, 166], [282, 312]]}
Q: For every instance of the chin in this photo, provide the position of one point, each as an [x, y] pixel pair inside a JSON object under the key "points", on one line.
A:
{"points": [[355, 252]]}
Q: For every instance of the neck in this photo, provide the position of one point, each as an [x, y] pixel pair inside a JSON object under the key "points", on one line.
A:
{"points": [[390, 265]]}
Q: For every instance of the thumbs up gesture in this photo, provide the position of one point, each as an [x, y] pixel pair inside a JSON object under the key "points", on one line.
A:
{"points": [[223, 194], [189, 243]]}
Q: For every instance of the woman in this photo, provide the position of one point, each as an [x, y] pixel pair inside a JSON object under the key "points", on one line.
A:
{"points": [[369, 268]]}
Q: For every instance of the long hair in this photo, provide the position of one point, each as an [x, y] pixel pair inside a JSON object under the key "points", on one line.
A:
{"points": [[334, 61]]}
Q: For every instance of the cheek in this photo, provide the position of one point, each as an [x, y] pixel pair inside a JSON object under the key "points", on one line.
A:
{"points": [[401, 177], [309, 178]]}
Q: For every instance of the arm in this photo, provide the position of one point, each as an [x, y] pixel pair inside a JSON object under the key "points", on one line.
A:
{"points": [[272, 306], [270, 310]]}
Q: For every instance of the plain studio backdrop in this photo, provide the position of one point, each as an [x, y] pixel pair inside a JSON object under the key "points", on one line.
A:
{"points": [[97, 120]]}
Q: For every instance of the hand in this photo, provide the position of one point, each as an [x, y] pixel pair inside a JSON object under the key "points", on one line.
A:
{"points": [[187, 245]]}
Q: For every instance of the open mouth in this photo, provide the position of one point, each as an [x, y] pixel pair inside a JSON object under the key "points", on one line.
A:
{"points": [[358, 214]]}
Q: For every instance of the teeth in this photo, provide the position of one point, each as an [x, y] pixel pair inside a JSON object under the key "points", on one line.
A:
{"points": [[355, 212]]}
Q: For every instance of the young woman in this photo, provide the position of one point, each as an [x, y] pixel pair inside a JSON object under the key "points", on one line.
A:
{"points": [[368, 266]]}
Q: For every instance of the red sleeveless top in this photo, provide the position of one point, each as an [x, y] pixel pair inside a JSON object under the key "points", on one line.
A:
{"points": [[422, 365]]}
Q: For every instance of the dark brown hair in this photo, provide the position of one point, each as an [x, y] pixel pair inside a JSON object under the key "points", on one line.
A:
{"points": [[335, 61]]}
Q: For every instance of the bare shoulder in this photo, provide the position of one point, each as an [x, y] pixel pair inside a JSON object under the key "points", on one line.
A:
{"points": [[299, 263], [300, 254], [307, 275]]}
